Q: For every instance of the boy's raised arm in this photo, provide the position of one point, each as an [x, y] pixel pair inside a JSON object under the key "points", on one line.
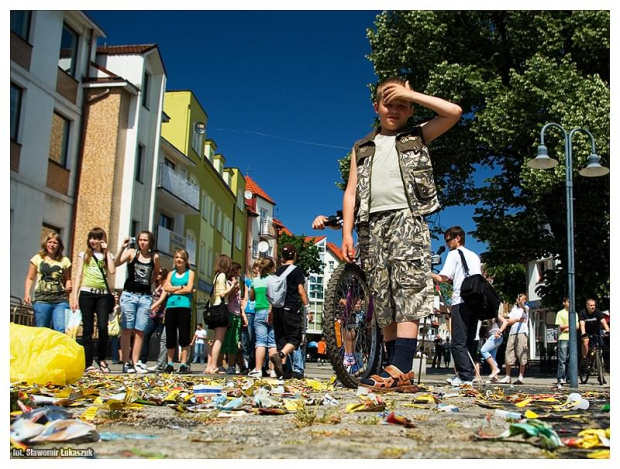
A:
{"points": [[448, 113]]}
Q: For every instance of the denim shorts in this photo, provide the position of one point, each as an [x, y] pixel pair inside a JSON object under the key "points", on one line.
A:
{"points": [[264, 331], [135, 309]]}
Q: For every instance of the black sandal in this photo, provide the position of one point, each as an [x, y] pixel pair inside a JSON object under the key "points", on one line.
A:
{"points": [[103, 366]]}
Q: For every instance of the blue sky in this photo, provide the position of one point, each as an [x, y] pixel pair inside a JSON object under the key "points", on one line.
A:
{"points": [[286, 93]]}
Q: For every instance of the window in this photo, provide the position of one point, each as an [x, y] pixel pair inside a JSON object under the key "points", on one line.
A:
{"points": [[20, 23], [240, 200], [140, 163], [197, 139], [169, 163], [315, 287], [210, 262], [166, 221], [203, 258], [212, 213], [145, 89], [68, 50], [331, 266], [219, 220], [59, 140], [254, 249], [135, 228], [206, 201], [238, 238], [16, 109]]}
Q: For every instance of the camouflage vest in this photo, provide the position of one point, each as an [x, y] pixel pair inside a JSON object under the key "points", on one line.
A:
{"points": [[416, 171]]}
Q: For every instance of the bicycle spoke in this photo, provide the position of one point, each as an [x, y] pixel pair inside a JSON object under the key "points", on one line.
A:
{"points": [[353, 345]]}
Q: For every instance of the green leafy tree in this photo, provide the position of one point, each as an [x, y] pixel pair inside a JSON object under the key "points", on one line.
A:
{"points": [[308, 255], [512, 72]]}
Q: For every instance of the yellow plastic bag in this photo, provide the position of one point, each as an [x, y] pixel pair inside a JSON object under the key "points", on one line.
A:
{"points": [[41, 355]]}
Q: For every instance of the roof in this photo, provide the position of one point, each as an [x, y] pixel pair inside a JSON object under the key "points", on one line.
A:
{"points": [[314, 239], [255, 189], [335, 250], [125, 50], [283, 229]]}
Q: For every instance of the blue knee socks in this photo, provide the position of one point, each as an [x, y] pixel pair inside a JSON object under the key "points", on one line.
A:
{"points": [[404, 351]]}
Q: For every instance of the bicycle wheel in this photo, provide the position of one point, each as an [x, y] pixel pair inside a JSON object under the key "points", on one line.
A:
{"points": [[584, 370], [600, 369], [349, 323]]}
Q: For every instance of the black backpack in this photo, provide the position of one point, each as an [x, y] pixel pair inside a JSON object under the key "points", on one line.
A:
{"points": [[478, 294]]}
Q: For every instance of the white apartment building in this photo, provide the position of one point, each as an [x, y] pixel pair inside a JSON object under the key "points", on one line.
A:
{"points": [[51, 52]]}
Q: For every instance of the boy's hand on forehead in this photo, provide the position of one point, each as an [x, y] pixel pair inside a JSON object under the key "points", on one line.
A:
{"points": [[397, 91]]}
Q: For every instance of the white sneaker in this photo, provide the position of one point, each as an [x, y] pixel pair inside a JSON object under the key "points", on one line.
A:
{"points": [[141, 368], [273, 374], [255, 374], [505, 380], [456, 381], [449, 380], [155, 368]]}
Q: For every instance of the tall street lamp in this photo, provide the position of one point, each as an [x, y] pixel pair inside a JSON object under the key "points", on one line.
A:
{"points": [[594, 169]]}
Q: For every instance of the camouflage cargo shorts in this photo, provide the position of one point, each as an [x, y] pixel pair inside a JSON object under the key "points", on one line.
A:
{"points": [[395, 250]]}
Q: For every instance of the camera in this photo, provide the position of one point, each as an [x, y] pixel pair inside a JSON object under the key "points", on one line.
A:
{"points": [[132, 242]]}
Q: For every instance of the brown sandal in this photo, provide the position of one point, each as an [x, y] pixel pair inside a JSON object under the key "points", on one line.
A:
{"points": [[397, 381]]}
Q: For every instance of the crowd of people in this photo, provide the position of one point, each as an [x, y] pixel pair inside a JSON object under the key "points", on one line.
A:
{"points": [[256, 338], [387, 202]]}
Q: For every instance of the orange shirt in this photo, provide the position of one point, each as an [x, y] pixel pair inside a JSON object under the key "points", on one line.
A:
{"points": [[322, 347]]}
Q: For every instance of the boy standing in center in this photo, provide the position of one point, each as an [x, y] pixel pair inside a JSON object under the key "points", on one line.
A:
{"points": [[390, 191]]}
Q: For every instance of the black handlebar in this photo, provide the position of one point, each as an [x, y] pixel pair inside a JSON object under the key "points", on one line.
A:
{"points": [[334, 220]]}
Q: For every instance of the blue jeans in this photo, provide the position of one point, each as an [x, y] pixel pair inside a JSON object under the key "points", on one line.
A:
{"points": [[114, 341], [264, 331], [199, 353], [489, 349], [248, 339], [154, 326], [563, 369], [50, 315], [135, 308], [298, 360]]}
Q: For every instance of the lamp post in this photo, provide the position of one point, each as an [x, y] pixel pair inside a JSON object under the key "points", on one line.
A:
{"points": [[594, 169]]}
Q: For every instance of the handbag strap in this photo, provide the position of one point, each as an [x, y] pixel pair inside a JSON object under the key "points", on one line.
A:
{"points": [[464, 263], [105, 280]]}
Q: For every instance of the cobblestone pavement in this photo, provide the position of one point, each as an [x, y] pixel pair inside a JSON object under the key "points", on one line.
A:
{"points": [[322, 427]]}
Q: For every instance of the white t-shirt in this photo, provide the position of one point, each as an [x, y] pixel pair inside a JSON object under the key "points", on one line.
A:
{"points": [[201, 335], [522, 313], [453, 269], [387, 191]]}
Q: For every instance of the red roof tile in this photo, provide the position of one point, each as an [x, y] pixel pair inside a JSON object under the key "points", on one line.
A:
{"points": [[314, 239], [251, 185], [335, 250], [125, 50]]}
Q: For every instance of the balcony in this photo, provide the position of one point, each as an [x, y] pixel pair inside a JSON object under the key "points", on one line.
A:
{"points": [[168, 242], [175, 193], [267, 230]]}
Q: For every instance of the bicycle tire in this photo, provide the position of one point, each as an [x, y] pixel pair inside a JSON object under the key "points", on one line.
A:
{"points": [[584, 370], [347, 284], [600, 370]]}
